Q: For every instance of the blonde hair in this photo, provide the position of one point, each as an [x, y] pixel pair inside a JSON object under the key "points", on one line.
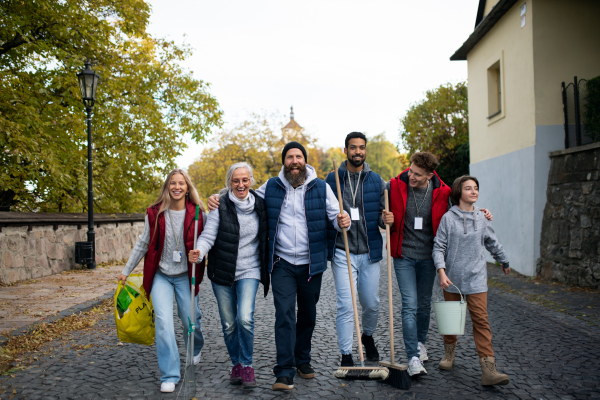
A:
{"points": [[164, 198]]}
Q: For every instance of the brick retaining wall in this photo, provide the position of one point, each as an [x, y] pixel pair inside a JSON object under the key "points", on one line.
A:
{"points": [[570, 240], [37, 245]]}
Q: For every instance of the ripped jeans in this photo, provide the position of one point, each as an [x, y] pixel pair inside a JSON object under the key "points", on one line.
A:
{"points": [[236, 308]]}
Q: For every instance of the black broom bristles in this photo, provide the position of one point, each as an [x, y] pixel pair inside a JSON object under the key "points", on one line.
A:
{"points": [[399, 379]]}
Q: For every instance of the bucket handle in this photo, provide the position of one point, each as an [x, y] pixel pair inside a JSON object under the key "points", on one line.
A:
{"points": [[462, 299]]}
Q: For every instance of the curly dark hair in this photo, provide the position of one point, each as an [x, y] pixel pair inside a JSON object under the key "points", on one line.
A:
{"points": [[355, 135], [424, 160], [457, 186]]}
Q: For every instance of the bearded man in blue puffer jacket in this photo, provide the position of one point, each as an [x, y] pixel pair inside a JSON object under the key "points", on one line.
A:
{"points": [[300, 208]]}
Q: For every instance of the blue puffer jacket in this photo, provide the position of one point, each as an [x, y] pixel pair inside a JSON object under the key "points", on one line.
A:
{"points": [[371, 197], [310, 244]]}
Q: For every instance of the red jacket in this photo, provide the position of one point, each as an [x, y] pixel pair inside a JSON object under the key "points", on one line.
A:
{"points": [[157, 241], [398, 192]]}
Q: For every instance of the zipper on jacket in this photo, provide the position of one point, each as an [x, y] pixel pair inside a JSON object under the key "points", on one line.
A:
{"points": [[401, 230], [362, 197], [157, 247], [306, 223], [295, 233], [336, 232], [277, 227]]}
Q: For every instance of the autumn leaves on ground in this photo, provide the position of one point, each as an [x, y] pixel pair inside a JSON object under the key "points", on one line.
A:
{"points": [[20, 351], [17, 352]]}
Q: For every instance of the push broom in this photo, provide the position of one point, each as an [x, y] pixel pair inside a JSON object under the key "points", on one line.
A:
{"points": [[189, 378], [399, 377], [362, 372]]}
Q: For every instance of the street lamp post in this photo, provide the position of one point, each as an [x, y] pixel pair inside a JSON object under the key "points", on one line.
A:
{"points": [[88, 82]]}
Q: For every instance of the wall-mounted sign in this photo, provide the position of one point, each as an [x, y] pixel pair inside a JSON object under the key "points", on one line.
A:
{"points": [[523, 9], [523, 21]]}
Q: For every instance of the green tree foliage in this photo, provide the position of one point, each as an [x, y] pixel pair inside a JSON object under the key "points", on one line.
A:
{"points": [[257, 141], [327, 157], [146, 104], [383, 157], [253, 141], [439, 124]]}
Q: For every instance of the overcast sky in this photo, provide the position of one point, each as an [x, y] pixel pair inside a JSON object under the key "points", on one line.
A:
{"points": [[344, 65]]}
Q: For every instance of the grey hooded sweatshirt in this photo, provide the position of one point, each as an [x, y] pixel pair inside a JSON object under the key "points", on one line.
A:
{"points": [[459, 247]]}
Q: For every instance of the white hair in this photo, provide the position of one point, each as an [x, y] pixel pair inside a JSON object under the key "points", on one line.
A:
{"points": [[229, 175]]}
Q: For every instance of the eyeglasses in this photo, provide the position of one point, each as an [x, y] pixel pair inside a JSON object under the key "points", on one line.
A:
{"points": [[244, 181]]}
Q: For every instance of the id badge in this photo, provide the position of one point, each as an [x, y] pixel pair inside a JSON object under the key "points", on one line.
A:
{"points": [[176, 256], [418, 223], [354, 214]]}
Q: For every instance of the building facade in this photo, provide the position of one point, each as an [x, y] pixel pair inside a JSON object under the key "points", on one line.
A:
{"points": [[518, 55]]}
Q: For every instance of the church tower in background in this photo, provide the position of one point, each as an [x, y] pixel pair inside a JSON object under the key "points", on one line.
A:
{"points": [[292, 131]]}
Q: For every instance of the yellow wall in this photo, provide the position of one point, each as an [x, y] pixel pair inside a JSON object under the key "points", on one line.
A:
{"points": [[566, 43], [489, 4], [514, 129]]}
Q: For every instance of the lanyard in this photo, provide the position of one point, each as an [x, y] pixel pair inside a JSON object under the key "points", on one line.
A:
{"points": [[423, 202], [354, 192], [177, 236]]}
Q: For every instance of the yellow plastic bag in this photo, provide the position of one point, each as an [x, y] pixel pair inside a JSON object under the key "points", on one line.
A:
{"points": [[134, 318]]}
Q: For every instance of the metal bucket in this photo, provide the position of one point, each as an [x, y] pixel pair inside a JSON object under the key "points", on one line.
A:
{"points": [[451, 315]]}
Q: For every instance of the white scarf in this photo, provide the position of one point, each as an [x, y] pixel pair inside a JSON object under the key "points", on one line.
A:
{"points": [[246, 205]]}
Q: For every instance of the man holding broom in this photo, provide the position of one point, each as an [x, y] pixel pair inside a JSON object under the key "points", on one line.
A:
{"points": [[362, 191], [300, 207]]}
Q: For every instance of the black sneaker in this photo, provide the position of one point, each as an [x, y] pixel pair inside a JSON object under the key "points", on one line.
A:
{"points": [[306, 371], [370, 349], [283, 383], [347, 360]]}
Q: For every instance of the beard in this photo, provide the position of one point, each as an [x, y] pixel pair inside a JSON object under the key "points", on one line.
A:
{"points": [[294, 179], [356, 163]]}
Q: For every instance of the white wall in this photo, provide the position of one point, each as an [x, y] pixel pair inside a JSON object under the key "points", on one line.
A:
{"points": [[506, 188], [513, 187]]}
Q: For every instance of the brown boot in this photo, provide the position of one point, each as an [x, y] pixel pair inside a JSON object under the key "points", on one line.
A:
{"points": [[448, 360], [489, 375]]}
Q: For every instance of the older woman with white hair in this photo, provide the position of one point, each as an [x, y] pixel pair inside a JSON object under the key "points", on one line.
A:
{"points": [[235, 238]]}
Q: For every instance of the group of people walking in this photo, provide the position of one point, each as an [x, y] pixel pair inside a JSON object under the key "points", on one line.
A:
{"points": [[282, 235]]}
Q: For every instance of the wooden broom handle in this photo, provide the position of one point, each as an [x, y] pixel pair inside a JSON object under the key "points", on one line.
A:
{"points": [[389, 273], [356, 321]]}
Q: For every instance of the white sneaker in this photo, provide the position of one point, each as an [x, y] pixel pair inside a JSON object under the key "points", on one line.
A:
{"points": [[415, 367], [422, 352], [167, 387], [197, 358]]}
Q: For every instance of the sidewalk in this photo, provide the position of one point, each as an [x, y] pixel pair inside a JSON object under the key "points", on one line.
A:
{"points": [[541, 338], [48, 298], [569, 301]]}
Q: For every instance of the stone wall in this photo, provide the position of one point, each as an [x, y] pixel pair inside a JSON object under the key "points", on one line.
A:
{"points": [[570, 241], [28, 251]]}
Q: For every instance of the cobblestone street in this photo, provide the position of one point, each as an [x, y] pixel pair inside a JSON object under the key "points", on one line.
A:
{"points": [[546, 353]]}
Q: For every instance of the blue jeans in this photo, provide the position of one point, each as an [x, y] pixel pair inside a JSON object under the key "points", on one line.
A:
{"points": [[293, 334], [163, 289], [236, 308], [415, 279], [366, 283]]}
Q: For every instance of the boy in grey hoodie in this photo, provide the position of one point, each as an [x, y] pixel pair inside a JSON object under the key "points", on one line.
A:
{"points": [[458, 254]]}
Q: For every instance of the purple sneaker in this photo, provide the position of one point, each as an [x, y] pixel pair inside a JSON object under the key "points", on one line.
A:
{"points": [[236, 375], [248, 380]]}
